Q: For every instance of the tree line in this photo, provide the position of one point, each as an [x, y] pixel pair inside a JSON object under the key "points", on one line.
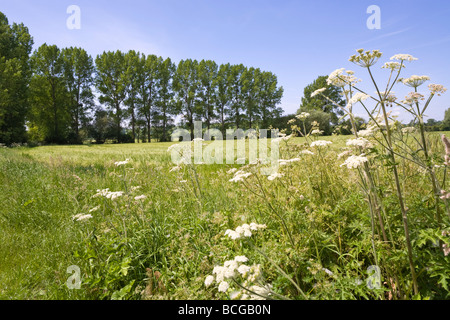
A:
{"points": [[64, 95]]}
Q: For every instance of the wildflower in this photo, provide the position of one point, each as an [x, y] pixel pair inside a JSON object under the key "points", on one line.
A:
{"points": [[357, 97], [328, 272], [135, 188], [393, 65], [244, 230], [209, 280], [240, 176], [317, 92], [306, 152], [344, 153], [437, 89], [359, 142], [121, 163], [108, 194], [140, 197], [320, 143], [365, 59], [413, 97], [243, 269], [370, 131], [354, 162], [283, 162], [223, 286], [403, 57], [176, 168], [240, 259], [414, 81], [302, 116], [316, 132], [408, 130], [232, 170], [335, 79], [81, 217], [275, 175], [261, 292], [94, 209]]}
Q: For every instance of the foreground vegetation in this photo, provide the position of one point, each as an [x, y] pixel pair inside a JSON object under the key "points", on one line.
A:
{"points": [[163, 236]]}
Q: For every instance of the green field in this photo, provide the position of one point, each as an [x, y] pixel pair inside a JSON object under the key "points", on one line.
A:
{"points": [[318, 243]]}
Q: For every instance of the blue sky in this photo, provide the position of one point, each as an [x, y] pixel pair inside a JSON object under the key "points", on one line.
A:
{"points": [[296, 40]]}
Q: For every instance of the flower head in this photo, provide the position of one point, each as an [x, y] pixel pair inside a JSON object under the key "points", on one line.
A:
{"points": [[359, 96], [317, 92], [320, 143], [121, 163], [365, 58], [354, 162], [393, 65], [302, 116], [403, 57], [413, 97], [437, 89], [82, 217], [359, 142], [414, 81], [339, 79], [275, 175]]}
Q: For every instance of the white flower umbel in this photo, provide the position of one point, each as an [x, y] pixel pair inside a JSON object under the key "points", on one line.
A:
{"points": [[275, 175], [414, 81], [365, 58], [354, 162], [240, 176], [141, 197], [244, 231], [283, 162], [393, 65], [413, 97], [121, 163], [302, 116], [108, 194], [437, 89], [320, 143], [315, 93], [339, 79], [82, 217], [359, 142], [357, 97], [403, 57]]}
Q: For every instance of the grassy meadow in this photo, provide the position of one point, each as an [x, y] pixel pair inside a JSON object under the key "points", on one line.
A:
{"points": [[164, 232]]}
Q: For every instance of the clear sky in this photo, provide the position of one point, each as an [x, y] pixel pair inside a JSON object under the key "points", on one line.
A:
{"points": [[296, 40]]}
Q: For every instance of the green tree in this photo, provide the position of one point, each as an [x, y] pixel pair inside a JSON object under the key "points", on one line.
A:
{"points": [[207, 73], [15, 74], [223, 97], [446, 122], [49, 95], [111, 82], [164, 105], [269, 96], [186, 86], [78, 69], [250, 80], [235, 92], [133, 79]]}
